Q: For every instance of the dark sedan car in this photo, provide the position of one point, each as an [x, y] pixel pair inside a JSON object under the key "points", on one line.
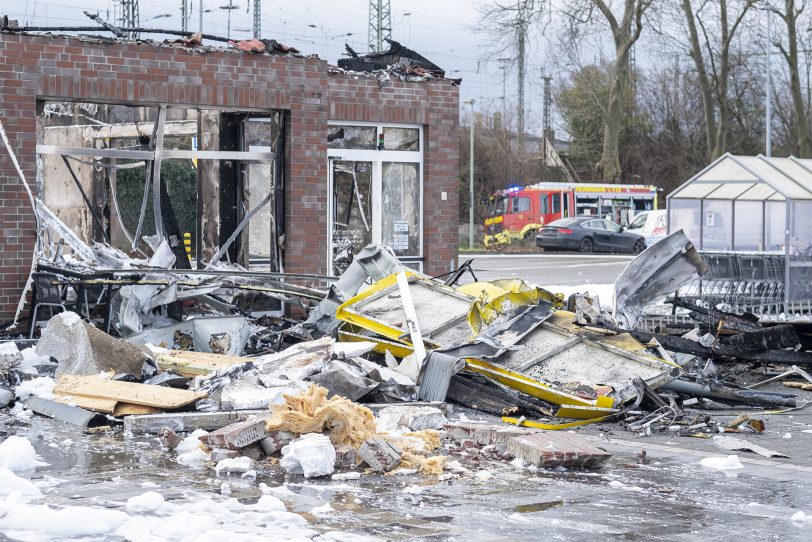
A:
{"points": [[588, 234]]}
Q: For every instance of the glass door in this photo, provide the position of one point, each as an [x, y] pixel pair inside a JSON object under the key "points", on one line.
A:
{"points": [[352, 220], [376, 191], [400, 195]]}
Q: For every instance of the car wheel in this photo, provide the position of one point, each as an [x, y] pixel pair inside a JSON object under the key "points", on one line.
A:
{"points": [[639, 246], [586, 245]]}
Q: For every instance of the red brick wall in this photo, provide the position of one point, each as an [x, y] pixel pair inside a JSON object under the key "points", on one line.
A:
{"points": [[435, 105], [69, 69]]}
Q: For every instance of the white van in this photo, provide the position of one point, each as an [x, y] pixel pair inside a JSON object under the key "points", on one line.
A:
{"points": [[649, 224]]}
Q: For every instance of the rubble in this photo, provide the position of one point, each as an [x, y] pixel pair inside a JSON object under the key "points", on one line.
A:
{"points": [[359, 389], [555, 450], [81, 349], [379, 454], [311, 455]]}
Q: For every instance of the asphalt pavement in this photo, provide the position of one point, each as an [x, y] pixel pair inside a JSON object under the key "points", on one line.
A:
{"points": [[550, 269]]}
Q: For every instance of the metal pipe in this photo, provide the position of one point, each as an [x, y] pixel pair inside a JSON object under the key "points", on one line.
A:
{"points": [[768, 99], [747, 397]]}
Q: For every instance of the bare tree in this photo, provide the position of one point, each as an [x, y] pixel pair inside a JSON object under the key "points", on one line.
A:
{"points": [[714, 80], [790, 15], [508, 22], [625, 31]]}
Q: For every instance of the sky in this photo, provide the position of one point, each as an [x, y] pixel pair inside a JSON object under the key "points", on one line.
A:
{"points": [[441, 30], [447, 32]]}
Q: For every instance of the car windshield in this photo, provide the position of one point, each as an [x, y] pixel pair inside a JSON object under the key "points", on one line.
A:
{"points": [[497, 206], [638, 222], [564, 222]]}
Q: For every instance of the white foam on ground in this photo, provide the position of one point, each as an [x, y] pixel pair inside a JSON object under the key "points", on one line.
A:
{"points": [[149, 518], [42, 387], [10, 483], [236, 465], [730, 462], [17, 454]]}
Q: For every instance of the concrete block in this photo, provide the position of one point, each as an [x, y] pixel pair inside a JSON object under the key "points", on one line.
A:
{"points": [[275, 441], [169, 438], [485, 435], [556, 449], [254, 451], [81, 349], [311, 455], [415, 418], [186, 421], [346, 457], [237, 435], [380, 455], [218, 454]]}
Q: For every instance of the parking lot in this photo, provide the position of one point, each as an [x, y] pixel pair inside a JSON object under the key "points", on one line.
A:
{"points": [[551, 269]]}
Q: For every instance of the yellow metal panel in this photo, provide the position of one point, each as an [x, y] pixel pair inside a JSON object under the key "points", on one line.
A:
{"points": [[552, 426], [397, 349], [536, 388]]}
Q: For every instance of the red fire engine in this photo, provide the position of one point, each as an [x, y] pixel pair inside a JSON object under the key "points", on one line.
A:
{"points": [[516, 213]]}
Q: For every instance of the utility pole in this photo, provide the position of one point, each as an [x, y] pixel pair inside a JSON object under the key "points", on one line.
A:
{"points": [[129, 16], [184, 15], [257, 18], [200, 16], [229, 9], [546, 121], [522, 23], [503, 66], [380, 24]]}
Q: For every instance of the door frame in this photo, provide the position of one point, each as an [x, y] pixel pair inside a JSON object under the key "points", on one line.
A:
{"points": [[377, 158]]}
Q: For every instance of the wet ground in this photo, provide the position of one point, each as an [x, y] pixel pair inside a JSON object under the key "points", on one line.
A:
{"points": [[671, 498], [551, 269]]}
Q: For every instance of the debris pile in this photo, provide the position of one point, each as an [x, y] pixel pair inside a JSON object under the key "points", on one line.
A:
{"points": [[364, 386]]}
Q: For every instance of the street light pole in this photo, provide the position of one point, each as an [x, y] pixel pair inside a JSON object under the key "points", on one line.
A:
{"points": [[470, 101]]}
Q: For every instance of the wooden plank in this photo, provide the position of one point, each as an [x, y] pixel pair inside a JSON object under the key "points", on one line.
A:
{"points": [[191, 364], [801, 385], [95, 404], [126, 392], [129, 409]]}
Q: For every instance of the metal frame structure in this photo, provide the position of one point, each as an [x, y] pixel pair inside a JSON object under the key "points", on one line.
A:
{"points": [[763, 280], [154, 157]]}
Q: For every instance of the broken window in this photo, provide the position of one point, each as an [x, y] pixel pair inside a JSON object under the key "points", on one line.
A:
{"points": [[401, 139], [352, 210], [351, 137], [376, 180], [208, 181]]}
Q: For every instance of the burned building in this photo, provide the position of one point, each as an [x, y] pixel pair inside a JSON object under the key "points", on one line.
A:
{"points": [[272, 160]]}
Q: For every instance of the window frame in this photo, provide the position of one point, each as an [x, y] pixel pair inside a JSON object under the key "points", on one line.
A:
{"points": [[378, 157]]}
